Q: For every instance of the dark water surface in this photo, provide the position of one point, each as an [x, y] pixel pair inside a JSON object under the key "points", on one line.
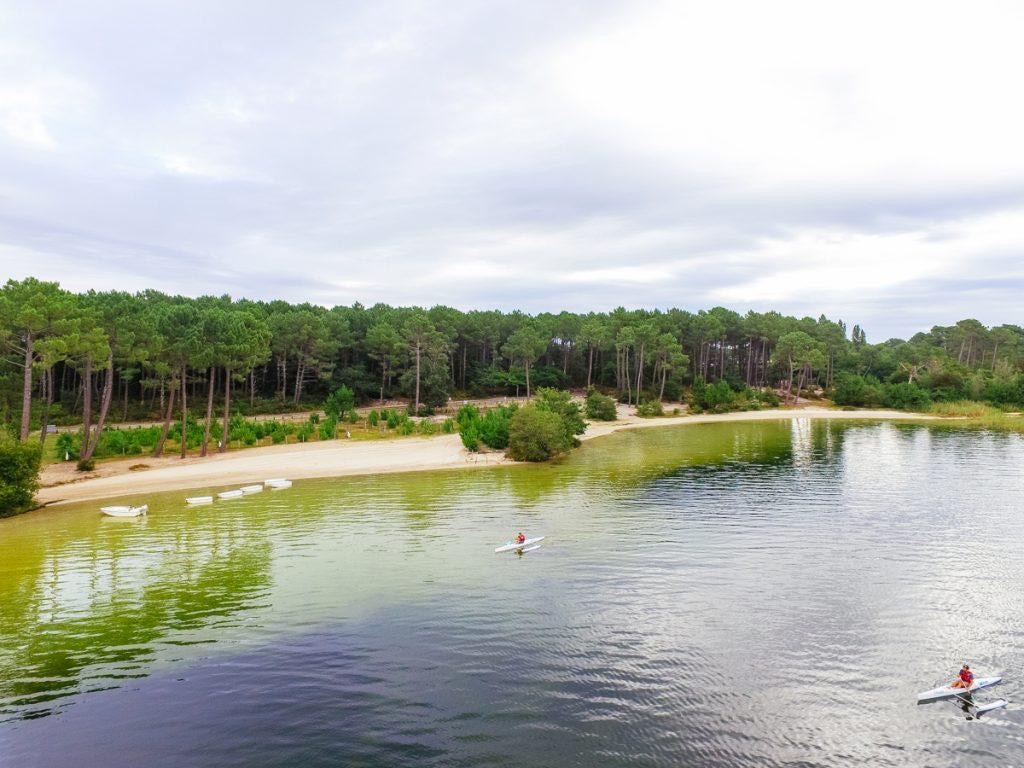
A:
{"points": [[767, 594]]}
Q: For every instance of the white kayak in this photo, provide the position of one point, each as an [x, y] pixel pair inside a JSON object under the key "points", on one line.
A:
{"points": [[229, 494], [193, 500], [948, 691], [125, 511], [512, 546], [249, 489], [279, 485]]}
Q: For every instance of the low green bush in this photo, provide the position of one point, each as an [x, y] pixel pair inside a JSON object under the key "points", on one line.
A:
{"points": [[537, 434], [600, 407], [650, 409], [19, 475]]}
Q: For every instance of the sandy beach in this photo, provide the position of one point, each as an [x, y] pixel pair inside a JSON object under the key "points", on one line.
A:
{"points": [[338, 458]]}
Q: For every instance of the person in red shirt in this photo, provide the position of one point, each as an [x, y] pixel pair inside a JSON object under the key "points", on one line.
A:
{"points": [[520, 538], [965, 679]]}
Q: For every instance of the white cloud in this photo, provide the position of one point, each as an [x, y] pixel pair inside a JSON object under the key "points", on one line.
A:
{"points": [[807, 156]]}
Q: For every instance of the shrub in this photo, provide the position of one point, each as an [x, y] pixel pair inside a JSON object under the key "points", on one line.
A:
{"points": [[328, 429], [851, 389], [537, 434], [85, 465], [67, 445], [406, 427], [493, 427], [717, 398], [561, 404], [448, 426], [19, 475], [427, 427], [600, 407], [907, 396], [467, 414], [649, 409], [373, 419], [339, 403], [470, 438]]}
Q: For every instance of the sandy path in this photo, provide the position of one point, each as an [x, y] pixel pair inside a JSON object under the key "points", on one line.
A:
{"points": [[337, 458]]}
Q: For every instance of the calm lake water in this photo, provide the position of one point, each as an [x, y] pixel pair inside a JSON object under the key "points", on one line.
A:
{"points": [[770, 593]]}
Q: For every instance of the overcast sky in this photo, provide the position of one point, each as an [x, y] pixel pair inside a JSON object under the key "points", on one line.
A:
{"points": [[865, 160]]}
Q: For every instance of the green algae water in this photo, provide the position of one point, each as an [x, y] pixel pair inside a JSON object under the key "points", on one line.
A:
{"points": [[766, 593]]}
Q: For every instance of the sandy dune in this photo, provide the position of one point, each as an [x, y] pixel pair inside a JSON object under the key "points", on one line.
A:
{"points": [[337, 458]]}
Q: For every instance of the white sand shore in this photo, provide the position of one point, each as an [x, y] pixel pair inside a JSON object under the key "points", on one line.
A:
{"points": [[337, 458]]}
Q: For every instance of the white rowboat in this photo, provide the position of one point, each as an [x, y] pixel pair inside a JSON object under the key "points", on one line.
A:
{"points": [[274, 480], [512, 546], [247, 489], [194, 500], [279, 483], [230, 494], [948, 691], [125, 511]]}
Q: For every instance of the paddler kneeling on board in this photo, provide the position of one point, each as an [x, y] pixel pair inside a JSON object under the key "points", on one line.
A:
{"points": [[965, 679], [520, 538]]}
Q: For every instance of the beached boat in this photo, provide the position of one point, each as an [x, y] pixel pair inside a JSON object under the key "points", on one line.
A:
{"points": [[274, 480], [247, 489], [194, 500], [123, 511], [230, 494], [279, 483]]}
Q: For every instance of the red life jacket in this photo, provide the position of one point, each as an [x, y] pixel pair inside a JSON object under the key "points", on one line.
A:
{"points": [[967, 676]]}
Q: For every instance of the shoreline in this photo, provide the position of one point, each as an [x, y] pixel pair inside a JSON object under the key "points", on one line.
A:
{"points": [[337, 458]]}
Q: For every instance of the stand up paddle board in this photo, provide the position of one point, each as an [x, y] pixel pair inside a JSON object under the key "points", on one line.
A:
{"points": [[997, 704], [512, 546]]}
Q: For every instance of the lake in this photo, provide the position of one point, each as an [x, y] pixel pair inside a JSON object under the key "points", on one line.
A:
{"points": [[735, 594]]}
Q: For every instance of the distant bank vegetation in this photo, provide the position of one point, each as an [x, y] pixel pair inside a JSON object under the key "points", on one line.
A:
{"points": [[97, 358]]}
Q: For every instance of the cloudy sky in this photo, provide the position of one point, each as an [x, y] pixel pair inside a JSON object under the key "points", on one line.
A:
{"points": [[865, 160]]}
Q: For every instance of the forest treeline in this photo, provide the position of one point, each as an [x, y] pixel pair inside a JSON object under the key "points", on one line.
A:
{"points": [[98, 357]]}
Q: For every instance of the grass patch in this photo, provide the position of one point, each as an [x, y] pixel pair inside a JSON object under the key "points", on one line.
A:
{"points": [[980, 416], [970, 409]]}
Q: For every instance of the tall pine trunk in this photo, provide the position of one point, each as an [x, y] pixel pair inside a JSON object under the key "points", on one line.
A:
{"points": [[639, 373], [158, 451], [590, 365], [26, 389], [300, 374], [184, 413], [47, 402], [209, 410], [89, 446], [86, 409], [419, 353], [227, 411]]}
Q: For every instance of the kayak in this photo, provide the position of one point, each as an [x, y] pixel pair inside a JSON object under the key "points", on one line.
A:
{"points": [[528, 549], [511, 546], [948, 692]]}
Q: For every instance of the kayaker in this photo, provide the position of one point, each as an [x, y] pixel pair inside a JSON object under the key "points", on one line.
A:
{"points": [[965, 678], [520, 538]]}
